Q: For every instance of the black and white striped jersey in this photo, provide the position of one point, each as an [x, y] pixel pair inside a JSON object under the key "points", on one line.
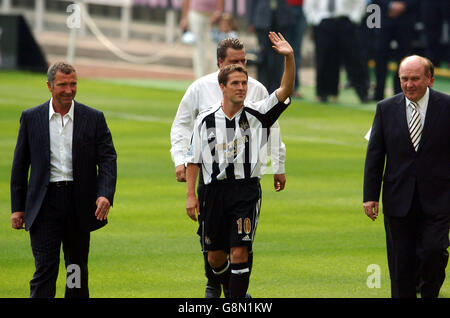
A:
{"points": [[234, 148]]}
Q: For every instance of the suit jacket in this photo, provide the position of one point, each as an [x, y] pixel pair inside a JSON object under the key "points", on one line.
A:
{"points": [[408, 18], [92, 148], [260, 14], [428, 169]]}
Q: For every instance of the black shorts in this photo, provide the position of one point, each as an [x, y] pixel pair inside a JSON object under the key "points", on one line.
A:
{"points": [[229, 214]]}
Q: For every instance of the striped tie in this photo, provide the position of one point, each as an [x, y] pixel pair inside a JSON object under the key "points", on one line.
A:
{"points": [[415, 127]]}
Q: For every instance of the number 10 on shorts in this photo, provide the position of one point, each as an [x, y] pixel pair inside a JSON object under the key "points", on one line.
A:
{"points": [[245, 225]]}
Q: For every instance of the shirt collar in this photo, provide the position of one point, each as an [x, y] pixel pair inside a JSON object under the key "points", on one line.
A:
{"points": [[235, 115], [423, 102], [51, 111]]}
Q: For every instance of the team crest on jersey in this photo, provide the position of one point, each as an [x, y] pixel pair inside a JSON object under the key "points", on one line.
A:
{"points": [[244, 125], [207, 240]]}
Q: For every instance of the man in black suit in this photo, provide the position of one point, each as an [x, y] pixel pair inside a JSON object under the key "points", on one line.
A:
{"points": [[71, 184], [265, 16], [434, 14], [409, 151], [398, 18]]}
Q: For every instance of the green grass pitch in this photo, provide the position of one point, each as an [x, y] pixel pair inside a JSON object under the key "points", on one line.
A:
{"points": [[313, 238]]}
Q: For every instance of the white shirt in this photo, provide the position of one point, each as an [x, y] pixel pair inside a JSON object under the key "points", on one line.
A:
{"points": [[317, 10], [423, 105], [234, 148], [61, 131], [202, 94]]}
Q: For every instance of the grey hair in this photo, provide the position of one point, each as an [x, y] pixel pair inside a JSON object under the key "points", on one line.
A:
{"points": [[61, 67]]}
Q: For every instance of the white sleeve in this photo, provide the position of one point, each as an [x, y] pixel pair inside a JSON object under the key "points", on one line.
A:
{"points": [[277, 149], [182, 126], [265, 105], [194, 154], [262, 92]]}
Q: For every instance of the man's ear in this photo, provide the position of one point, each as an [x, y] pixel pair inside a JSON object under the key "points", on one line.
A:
{"points": [[220, 62], [49, 86]]}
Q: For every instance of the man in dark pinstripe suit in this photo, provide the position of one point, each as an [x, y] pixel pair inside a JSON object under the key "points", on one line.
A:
{"points": [[71, 183]]}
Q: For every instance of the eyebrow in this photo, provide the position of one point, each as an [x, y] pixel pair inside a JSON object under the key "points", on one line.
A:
{"points": [[239, 81], [410, 76]]}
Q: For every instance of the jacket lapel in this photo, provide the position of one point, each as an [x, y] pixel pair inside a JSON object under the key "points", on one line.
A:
{"points": [[43, 127], [432, 114], [79, 124]]}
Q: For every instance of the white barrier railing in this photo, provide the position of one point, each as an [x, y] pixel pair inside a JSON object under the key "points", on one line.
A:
{"points": [[112, 47], [171, 7], [39, 10]]}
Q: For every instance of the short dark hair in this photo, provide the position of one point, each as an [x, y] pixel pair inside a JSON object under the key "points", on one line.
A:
{"points": [[223, 45], [61, 67], [227, 70]]}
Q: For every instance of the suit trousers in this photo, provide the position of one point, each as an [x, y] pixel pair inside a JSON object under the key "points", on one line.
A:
{"points": [[270, 65], [403, 34], [417, 242], [434, 15], [337, 44], [204, 60], [56, 224], [270, 68]]}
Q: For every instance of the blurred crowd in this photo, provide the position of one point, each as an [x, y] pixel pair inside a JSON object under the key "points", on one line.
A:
{"points": [[347, 34]]}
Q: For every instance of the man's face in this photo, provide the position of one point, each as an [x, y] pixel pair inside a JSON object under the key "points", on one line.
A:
{"points": [[233, 57], [64, 89], [413, 79], [236, 88]]}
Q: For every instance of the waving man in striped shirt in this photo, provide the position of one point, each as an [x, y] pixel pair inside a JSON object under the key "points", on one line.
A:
{"points": [[229, 143]]}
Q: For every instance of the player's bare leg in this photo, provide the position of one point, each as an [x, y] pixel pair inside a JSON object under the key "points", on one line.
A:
{"points": [[240, 272], [218, 260], [213, 287]]}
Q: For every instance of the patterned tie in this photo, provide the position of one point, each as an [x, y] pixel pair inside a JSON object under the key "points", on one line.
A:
{"points": [[415, 127]]}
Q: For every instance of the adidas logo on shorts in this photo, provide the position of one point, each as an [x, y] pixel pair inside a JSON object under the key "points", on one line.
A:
{"points": [[247, 238]]}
